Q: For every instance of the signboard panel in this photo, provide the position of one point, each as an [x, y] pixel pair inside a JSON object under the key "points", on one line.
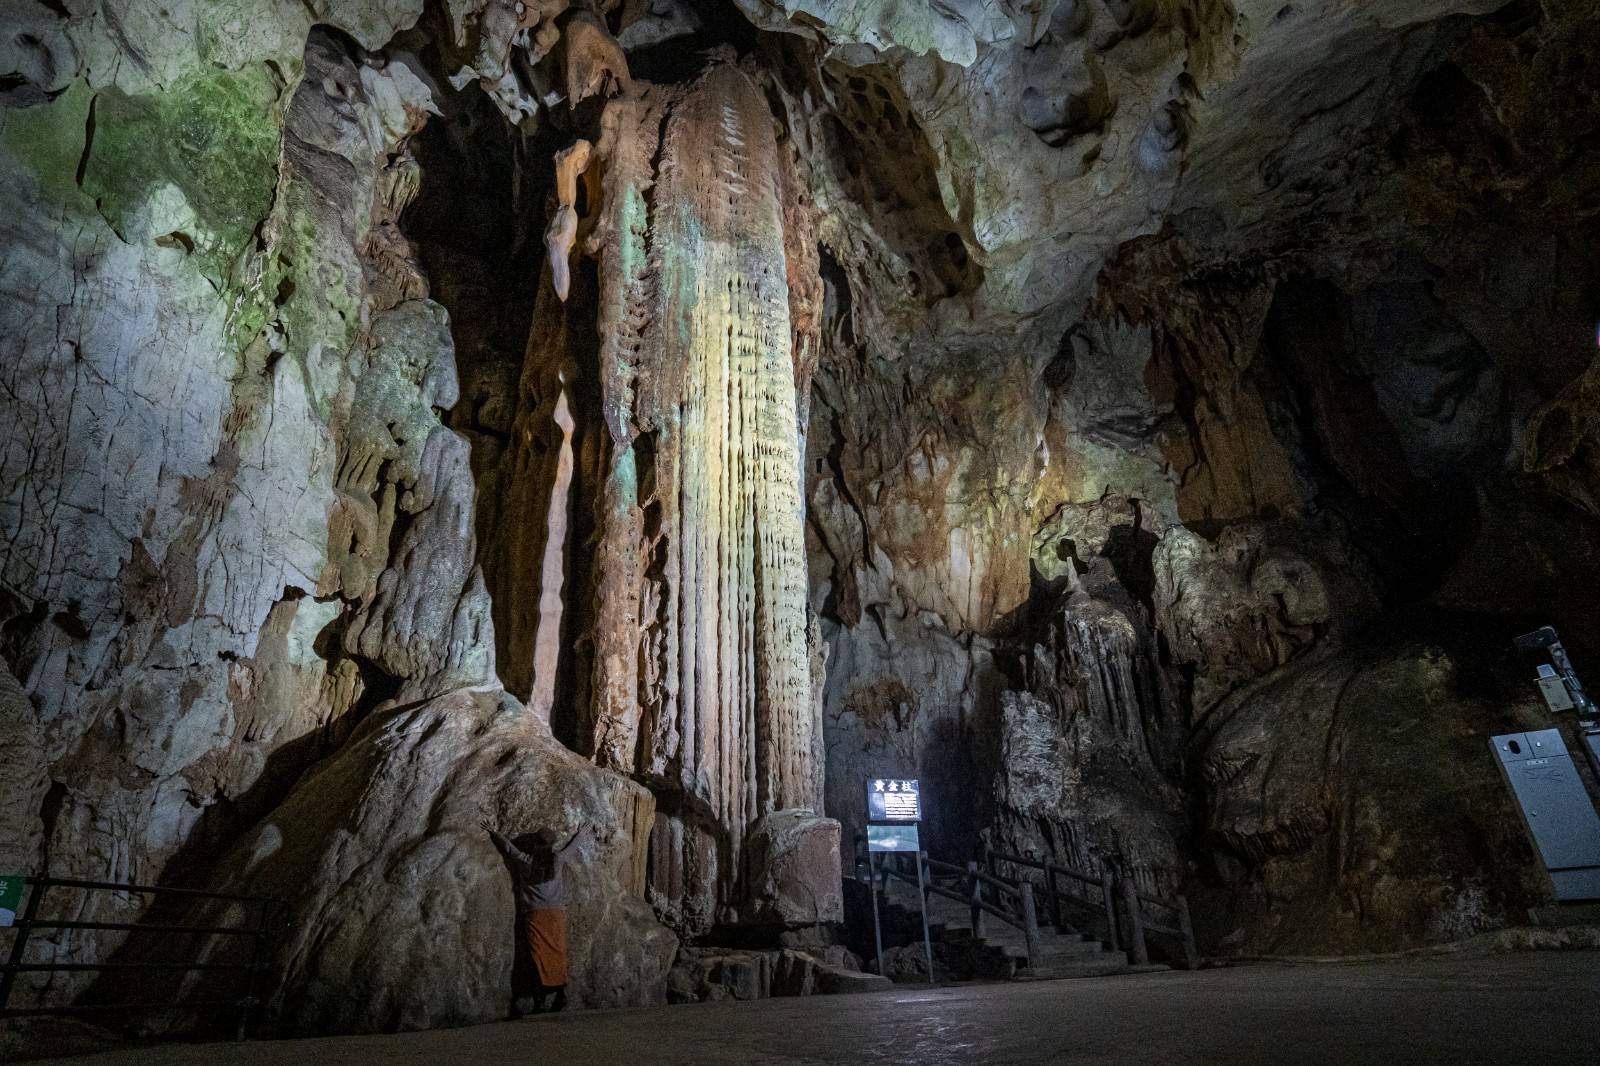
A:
{"points": [[893, 800], [10, 898], [892, 838]]}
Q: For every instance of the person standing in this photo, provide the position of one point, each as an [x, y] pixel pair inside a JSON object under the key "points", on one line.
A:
{"points": [[536, 866]]}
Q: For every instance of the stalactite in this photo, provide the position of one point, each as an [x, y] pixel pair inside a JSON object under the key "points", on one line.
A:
{"points": [[562, 232], [1100, 669], [543, 470], [547, 638]]}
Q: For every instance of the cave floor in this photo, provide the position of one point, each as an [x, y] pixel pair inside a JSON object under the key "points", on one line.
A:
{"points": [[1505, 1008]]}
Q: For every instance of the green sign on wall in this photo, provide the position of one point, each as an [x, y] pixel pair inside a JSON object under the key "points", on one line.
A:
{"points": [[10, 897]]}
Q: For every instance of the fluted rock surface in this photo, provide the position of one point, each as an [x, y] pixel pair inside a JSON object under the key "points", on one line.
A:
{"points": [[700, 674]]}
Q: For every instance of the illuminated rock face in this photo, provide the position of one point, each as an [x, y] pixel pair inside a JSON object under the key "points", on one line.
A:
{"points": [[279, 568], [723, 329]]}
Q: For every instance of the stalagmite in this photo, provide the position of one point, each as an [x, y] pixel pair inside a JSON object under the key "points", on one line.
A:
{"points": [[547, 640]]}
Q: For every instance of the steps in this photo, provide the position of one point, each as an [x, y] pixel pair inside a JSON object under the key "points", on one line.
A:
{"points": [[1558, 915], [1001, 953]]}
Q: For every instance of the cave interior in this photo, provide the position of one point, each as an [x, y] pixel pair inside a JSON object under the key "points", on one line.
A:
{"points": [[1146, 423]]}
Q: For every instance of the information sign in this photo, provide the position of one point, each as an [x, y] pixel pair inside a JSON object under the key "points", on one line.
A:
{"points": [[10, 897], [892, 838], [898, 802], [893, 800]]}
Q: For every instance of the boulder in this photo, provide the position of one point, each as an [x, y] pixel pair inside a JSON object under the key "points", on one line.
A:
{"points": [[832, 981], [710, 974], [793, 870], [403, 915]]}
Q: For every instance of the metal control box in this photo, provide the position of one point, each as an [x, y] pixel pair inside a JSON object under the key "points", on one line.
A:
{"points": [[1556, 809]]}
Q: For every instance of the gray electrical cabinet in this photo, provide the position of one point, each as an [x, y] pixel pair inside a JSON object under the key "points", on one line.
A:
{"points": [[1556, 809]]}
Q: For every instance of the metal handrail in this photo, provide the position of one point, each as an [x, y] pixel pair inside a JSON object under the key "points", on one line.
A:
{"points": [[115, 886], [147, 927], [246, 1003]]}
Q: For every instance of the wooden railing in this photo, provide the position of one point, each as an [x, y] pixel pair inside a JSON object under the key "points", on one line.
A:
{"points": [[1073, 898], [1178, 927], [983, 893], [1114, 902]]}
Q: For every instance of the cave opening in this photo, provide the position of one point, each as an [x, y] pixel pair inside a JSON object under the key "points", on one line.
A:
{"points": [[677, 48]]}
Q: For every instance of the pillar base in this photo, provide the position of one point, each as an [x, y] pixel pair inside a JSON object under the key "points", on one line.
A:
{"points": [[792, 871]]}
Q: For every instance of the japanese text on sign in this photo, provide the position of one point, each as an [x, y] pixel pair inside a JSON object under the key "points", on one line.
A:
{"points": [[893, 800]]}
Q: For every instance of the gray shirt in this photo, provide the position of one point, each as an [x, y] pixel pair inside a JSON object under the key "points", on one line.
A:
{"points": [[537, 877]]}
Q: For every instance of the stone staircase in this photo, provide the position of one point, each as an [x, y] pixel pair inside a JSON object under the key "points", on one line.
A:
{"points": [[1001, 953]]}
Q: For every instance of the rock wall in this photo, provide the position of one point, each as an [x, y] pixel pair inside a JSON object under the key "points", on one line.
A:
{"points": [[1278, 412], [240, 542], [180, 421]]}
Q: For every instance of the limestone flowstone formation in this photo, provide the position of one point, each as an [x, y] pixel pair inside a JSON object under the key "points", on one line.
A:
{"points": [[265, 548], [701, 675]]}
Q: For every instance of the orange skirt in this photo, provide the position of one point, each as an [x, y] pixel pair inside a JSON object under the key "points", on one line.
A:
{"points": [[546, 932]]}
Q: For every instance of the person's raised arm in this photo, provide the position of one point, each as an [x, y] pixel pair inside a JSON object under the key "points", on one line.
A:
{"points": [[502, 844]]}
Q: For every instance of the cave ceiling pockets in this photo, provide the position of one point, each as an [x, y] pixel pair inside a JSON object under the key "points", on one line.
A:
{"points": [[1096, 92], [144, 46], [530, 57]]}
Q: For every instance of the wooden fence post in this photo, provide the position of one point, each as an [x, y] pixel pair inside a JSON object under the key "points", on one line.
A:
{"points": [[1191, 957], [1109, 898], [1055, 897], [976, 889], [1138, 952], [1030, 923]]}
